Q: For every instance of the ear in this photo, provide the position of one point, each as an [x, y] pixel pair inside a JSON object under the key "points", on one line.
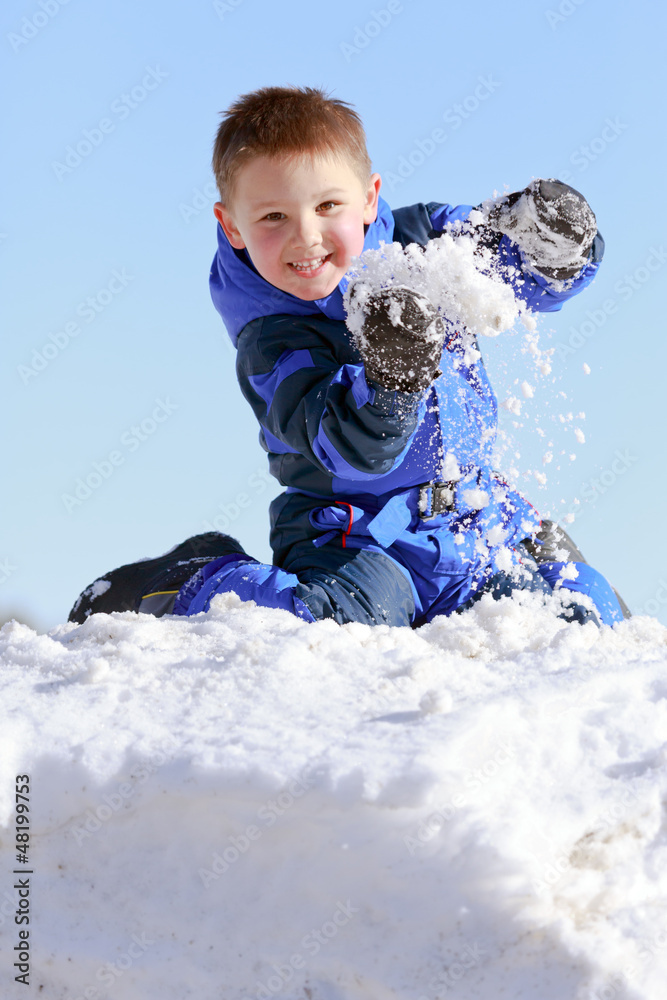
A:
{"points": [[372, 195], [224, 217]]}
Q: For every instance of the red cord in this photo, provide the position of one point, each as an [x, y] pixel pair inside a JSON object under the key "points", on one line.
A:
{"points": [[349, 526]]}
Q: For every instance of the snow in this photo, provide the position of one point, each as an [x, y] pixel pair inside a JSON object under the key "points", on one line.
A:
{"points": [[543, 246], [477, 499], [242, 805], [452, 271], [455, 272]]}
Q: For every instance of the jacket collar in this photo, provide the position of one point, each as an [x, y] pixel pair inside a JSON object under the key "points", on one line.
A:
{"points": [[240, 294]]}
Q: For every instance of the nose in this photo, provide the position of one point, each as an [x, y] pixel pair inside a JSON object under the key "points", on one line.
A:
{"points": [[306, 232]]}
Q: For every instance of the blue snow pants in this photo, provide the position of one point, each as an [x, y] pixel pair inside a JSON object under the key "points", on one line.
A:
{"points": [[368, 585]]}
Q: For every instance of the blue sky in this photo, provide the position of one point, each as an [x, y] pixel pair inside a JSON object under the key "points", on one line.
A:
{"points": [[117, 368]]}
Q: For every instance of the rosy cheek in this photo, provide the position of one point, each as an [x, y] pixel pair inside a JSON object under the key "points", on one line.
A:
{"points": [[266, 247], [358, 245], [351, 233]]}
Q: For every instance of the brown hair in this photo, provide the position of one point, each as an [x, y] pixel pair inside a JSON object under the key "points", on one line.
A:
{"points": [[287, 121]]}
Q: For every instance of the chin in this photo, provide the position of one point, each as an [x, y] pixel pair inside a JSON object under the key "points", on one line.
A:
{"points": [[314, 295], [318, 293]]}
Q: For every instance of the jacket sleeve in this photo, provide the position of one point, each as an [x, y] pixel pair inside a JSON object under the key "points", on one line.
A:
{"points": [[538, 292], [308, 403]]}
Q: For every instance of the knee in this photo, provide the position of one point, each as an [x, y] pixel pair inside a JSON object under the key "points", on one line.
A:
{"points": [[367, 587]]}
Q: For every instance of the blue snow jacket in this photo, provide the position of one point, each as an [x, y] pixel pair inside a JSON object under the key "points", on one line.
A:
{"points": [[357, 459]]}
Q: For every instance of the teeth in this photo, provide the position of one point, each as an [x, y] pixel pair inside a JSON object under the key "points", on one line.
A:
{"points": [[307, 265]]}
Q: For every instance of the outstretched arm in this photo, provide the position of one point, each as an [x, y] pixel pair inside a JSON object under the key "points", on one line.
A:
{"points": [[552, 224], [545, 239]]}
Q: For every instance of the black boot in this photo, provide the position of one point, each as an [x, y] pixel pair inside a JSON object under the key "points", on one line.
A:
{"points": [[123, 589]]}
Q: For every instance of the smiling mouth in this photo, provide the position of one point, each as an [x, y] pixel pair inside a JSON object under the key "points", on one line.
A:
{"points": [[311, 264]]}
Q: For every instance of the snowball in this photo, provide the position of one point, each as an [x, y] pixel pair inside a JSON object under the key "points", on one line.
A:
{"points": [[453, 271]]}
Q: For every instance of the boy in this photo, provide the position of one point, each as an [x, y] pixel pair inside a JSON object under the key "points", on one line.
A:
{"points": [[392, 513]]}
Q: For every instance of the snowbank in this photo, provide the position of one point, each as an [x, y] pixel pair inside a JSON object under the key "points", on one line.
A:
{"points": [[242, 805]]}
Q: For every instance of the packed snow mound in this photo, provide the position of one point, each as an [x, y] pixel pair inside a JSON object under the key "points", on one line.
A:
{"points": [[242, 805], [454, 271]]}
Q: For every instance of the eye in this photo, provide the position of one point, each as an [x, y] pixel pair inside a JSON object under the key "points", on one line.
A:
{"points": [[326, 205], [273, 216]]}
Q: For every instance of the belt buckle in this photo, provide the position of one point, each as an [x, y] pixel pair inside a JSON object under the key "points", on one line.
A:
{"points": [[442, 498]]}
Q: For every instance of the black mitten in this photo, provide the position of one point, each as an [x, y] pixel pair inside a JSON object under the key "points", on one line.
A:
{"points": [[401, 339], [552, 224]]}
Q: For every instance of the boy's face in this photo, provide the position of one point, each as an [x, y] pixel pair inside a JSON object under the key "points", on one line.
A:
{"points": [[301, 220]]}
